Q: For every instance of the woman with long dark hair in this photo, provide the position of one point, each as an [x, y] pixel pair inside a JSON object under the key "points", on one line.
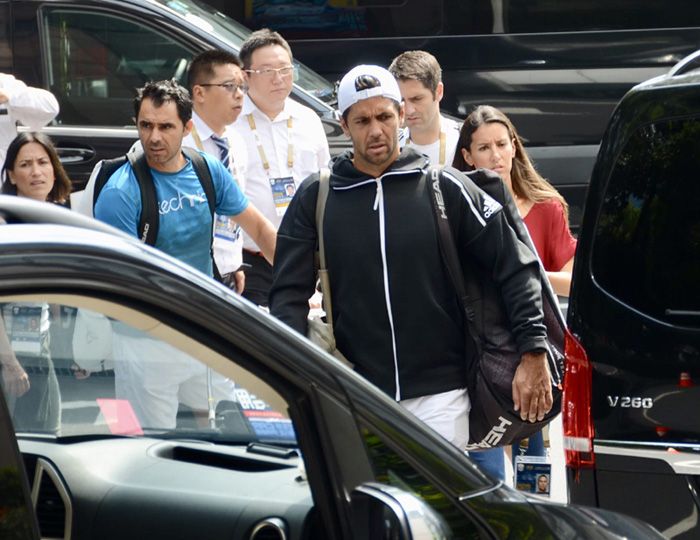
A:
{"points": [[31, 169], [489, 140]]}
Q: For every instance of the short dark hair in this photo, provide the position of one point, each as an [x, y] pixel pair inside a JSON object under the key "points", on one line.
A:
{"points": [[160, 92], [417, 66], [202, 66], [61, 185], [259, 39]]}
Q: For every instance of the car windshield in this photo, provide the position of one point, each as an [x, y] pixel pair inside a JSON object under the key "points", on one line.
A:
{"points": [[234, 34], [69, 371]]}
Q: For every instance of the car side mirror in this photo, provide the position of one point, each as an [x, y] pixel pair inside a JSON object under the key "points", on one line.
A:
{"points": [[381, 512]]}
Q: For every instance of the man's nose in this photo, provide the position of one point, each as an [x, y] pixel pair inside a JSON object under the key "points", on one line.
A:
{"points": [[375, 128]]}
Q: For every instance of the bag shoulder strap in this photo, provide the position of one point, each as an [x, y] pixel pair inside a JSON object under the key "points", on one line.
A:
{"points": [[204, 176], [107, 168], [201, 168], [149, 222], [323, 189], [446, 241]]}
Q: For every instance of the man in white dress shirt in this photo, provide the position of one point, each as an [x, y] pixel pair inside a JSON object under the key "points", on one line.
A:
{"points": [[33, 107], [217, 86], [285, 141], [420, 80]]}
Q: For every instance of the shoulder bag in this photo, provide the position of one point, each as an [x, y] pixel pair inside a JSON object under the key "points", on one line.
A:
{"points": [[492, 352]]}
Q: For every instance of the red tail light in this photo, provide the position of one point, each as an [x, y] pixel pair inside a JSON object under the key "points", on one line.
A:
{"points": [[576, 406]]}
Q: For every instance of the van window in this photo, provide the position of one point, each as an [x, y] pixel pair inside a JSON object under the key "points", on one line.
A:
{"points": [[646, 248], [309, 19], [97, 59]]}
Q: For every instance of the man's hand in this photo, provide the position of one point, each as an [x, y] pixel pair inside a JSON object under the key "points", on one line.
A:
{"points": [[239, 276], [15, 379], [4, 98], [235, 281], [532, 387]]}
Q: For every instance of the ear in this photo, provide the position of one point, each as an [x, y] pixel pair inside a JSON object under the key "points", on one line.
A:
{"points": [[197, 93], [188, 127], [402, 113], [344, 126], [10, 176], [439, 92], [467, 157]]}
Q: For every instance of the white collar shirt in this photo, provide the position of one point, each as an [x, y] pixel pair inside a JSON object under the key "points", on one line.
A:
{"points": [[309, 146], [228, 238], [432, 150]]}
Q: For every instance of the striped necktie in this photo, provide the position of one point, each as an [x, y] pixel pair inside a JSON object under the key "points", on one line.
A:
{"points": [[224, 150]]}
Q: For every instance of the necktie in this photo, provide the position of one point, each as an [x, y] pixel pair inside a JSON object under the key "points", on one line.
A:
{"points": [[224, 150]]}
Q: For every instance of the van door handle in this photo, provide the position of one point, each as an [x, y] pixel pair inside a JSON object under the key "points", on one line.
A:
{"points": [[74, 155]]}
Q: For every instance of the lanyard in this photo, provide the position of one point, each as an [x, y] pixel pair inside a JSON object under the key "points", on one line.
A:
{"points": [[443, 145], [261, 150]]}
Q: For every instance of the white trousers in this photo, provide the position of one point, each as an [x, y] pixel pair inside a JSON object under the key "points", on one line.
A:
{"points": [[447, 413], [155, 378]]}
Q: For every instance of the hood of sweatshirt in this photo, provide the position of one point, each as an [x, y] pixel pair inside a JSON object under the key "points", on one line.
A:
{"points": [[346, 175]]}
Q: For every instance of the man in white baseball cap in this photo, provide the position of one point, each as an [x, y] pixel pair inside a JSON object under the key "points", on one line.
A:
{"points": [[397, 315]]}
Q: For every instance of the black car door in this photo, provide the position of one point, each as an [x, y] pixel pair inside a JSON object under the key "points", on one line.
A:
{"points": [[17, 519]]}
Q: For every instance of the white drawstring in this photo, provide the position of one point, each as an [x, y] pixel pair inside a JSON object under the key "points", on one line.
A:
{"points": [[380, 195]]}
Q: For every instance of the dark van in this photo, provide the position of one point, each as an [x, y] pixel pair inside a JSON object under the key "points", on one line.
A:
{"points": [[92, 54], [632, 386], [557, 69]]}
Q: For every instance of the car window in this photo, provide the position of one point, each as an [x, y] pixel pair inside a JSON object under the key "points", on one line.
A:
{"points": [[97, 59], [98, 372], [646, 249]]}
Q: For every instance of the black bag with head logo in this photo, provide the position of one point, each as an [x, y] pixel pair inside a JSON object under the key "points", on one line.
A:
{"points": [[493, 420]]}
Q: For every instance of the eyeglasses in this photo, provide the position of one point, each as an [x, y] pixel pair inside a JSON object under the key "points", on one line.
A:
{"points": [[229, 87], [269, 73]]}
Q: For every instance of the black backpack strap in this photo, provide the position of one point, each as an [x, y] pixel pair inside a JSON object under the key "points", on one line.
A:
{"points": [[204, 175], [107, 168], [149, 222]]}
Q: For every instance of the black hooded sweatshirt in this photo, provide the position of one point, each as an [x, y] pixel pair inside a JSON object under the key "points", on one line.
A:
{"points": [[396, 315]]}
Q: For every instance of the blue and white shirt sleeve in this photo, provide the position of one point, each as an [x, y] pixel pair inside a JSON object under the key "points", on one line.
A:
{"points": [[230, 200]]}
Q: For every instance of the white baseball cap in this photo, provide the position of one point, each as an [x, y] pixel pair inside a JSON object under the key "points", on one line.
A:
{"points": [[351, 88]]}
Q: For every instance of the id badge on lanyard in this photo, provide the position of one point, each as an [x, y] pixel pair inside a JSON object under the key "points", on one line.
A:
{"points": [[283, 190], [226, 228], [25, 330]]}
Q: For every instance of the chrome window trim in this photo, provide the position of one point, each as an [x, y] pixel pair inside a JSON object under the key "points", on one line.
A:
{"points": [[126, 132], [683, 459]]}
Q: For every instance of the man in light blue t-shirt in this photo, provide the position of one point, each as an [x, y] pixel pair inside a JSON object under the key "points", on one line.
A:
{"points": [[164, 117], [163, 112]]}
